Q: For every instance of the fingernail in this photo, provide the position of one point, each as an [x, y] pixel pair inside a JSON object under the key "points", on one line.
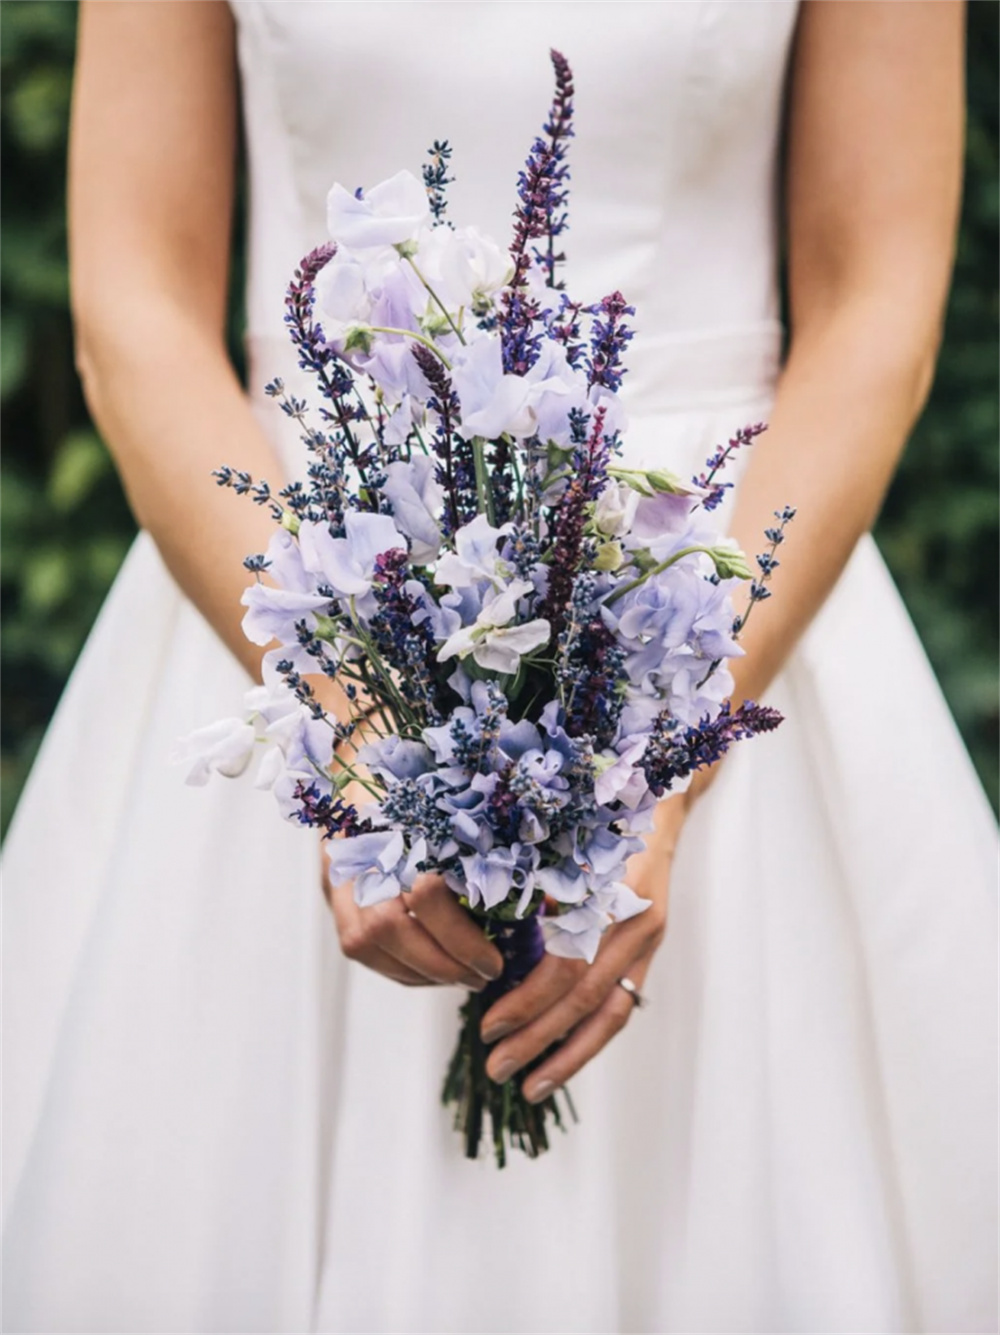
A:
{"points": [[489, 970], [504, 1071], [541, 1091], [496, 1032], [474, 982]]}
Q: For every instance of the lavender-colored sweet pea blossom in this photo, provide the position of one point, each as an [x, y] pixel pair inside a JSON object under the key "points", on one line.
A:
{"points": [[386, 215], [492, 403], [224, 747], [379, 864], [395, 757], [615, 772], [488, 877], [272, 613], [299, 748], [668, 515], [407, 414], [565, 882], [475, 556], [390, 364], [602, 853], [687, 690], [661, 611], [347, 564], [284, 563], [577, 933], [399, 299], [416, 498]]}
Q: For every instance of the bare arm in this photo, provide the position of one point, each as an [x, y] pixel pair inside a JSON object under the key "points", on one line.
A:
{"points": [[152, 149], [874, 164], [874, 169]]}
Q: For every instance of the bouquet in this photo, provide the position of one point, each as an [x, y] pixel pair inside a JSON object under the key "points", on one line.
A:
{"points": [[531, 636]]}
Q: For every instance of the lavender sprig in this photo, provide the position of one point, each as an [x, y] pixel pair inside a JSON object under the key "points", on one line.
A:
{"points": [[540, 212], [436, 179], [718, 460], [767, 564], [609, 338], [674, 753]]}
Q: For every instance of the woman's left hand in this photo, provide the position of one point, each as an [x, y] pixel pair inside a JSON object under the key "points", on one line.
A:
{"points": [[565, 996]]}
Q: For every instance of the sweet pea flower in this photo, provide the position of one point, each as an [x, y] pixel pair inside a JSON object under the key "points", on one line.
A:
{"points": [[615, 772], [272, 613], [347, 564], [492, 402], [493, 643], [391, 365], [475, 556], [224, 747], [379, 864], [416, 497], [577, 933], [615, 510], [489, 876], [342, 297], [386, 215], [463, 265]]}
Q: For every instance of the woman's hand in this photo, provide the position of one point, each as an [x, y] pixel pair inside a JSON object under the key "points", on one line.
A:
{"points": [[563, 996], [421, 937]]}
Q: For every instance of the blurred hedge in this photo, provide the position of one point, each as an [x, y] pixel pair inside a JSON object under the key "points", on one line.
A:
{"points": [[66, 526]]}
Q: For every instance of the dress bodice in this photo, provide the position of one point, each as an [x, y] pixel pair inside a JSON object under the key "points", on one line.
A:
{"points": [[673, 191]]}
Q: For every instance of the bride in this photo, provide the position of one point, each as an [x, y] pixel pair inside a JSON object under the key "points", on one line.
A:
{"points": [[216, 1122]]}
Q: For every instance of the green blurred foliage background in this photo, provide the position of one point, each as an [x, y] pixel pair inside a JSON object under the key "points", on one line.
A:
{"points": [[66, 527]]}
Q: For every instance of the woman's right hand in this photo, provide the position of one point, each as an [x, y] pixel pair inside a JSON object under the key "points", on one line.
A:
{"points": [[423, 936]]}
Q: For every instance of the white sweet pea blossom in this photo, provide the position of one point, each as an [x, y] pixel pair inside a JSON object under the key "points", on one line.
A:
{"points": [[475, 556], [386, 215], [463, 266], [491, 640], [342, 297], [224, 747], [615, 509]]}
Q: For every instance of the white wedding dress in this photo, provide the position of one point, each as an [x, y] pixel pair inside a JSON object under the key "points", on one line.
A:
{"points": [[213, 1122]]}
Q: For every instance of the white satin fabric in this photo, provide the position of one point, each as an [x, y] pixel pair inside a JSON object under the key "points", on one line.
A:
{"points": [[215, 1123]]}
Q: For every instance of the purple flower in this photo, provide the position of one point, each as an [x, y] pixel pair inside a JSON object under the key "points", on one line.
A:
{"points": [[379, 864], [489, 877], [386, 215], [416, 498]]}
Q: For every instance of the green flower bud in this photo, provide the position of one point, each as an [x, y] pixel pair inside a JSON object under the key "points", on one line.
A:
{"points": [[609, 556], [359, 339], [290, 521], [326, 628], [634, 478], [662, 480], [436, 324], [406, 249], [730, 563]]}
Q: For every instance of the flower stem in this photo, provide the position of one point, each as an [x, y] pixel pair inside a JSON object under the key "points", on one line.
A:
{"points": [[434, 297], [411, 333], [484, 493], [656, 570]]}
